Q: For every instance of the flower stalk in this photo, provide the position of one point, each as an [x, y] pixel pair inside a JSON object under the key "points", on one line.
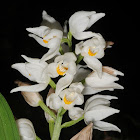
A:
{"points": [[46, 109], [57, 126], [79, 59], [70, 123], [51, 127], [52, 84]]}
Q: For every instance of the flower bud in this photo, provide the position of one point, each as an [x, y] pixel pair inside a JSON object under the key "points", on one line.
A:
{"points": [[26, 129], [84, 134], [32, 98], [47, 116]]}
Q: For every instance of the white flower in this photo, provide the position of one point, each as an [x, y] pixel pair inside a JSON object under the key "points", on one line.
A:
{"points": [[50, 38], [67, 98], [82, 20], [32, 98], [94, 84], [26, 129], [96, 109], [92, 50], [35, 71], [63, 65]]}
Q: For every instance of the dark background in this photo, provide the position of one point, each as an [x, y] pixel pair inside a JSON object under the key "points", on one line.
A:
{"points": [[119, 25]]}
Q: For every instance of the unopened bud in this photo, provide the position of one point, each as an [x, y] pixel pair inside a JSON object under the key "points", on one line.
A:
{"points": [[84, 134], [32, 98]]}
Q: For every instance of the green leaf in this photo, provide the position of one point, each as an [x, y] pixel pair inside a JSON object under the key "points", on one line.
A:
{"points": [[8, 127]]}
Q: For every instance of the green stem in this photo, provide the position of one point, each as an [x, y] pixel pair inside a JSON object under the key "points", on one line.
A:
{"points": [[46, 109], [70, 36], [80, 57], [37, 138], [70, 123], [52, 84], [63, 111], [51, 126], [61, 50], [57, 126], [65, 40]]}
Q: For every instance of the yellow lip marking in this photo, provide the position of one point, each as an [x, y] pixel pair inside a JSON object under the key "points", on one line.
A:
{"points": [[67, 101], [29, 74], [62, 70], [45, 41], [91, 53]]}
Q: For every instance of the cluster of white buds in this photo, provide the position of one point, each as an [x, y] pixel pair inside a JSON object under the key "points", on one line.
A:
{"points": [[74, 80]]}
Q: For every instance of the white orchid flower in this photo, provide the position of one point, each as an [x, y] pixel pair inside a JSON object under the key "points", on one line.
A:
{"points": [[96, 109], [50, 38], [92, 50], [26, 129], [35, 71], [67, 97], [63, 65], [94, 84], [81, 21], [50, 21]]}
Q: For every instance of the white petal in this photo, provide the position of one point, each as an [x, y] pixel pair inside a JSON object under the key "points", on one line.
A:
{"points": [[94, 81], [75, 113], [94, 64], [72, 68], [39, 40], [63, 83], [78, 47], [22, 69], [54, 101], [98, 113], [98, 101], [47, 17], [39, 31], [108, 97], [78, 18], [32, 88], [95, 17], [104, 126], [54, 34], [67, 57], [51, 70], [89, 90], [83, 35], [78, 86], [50, 21], [34, 61], [54, 49]]}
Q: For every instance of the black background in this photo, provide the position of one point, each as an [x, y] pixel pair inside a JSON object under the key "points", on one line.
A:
{"points": [[119, 25]]}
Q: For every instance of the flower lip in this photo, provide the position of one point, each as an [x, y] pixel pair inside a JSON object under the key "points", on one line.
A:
{"points": [[91, 53], [61, 69], [69, 98]]}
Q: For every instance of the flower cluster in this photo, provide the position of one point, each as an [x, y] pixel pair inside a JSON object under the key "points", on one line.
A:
{"points": [[74, 80]]}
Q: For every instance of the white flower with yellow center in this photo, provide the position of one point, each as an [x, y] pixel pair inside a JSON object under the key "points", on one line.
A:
{"points": [[26, 129], [94, 84], [35, 71], [67, 97], [64, 65], [96, 109], [81, 21], [92, 50], [50, 38]]}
